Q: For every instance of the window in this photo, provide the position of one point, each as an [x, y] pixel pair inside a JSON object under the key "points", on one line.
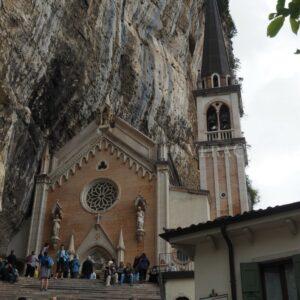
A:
{"points": [[215, 81], [102, 166], [99, 196], [212, 119], [279, 281], [218, 117], [182, 298], [224, 117]]}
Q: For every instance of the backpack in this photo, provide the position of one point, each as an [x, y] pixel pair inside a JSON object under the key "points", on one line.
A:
{"points": [[47, 262]]}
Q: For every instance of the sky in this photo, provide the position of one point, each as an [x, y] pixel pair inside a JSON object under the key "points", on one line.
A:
{"points": [[271, 98]]}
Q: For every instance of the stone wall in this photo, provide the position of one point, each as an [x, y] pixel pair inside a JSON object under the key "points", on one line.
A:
{"points": [[62, 60]]}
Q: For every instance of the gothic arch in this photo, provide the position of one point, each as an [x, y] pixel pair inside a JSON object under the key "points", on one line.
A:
{"points": [[218, 116], [215, 80], [96, 239]]}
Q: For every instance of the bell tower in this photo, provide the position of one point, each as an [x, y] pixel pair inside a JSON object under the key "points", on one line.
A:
{"points": [[221, 145]]}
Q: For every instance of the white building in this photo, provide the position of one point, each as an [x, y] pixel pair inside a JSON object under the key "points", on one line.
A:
{"points": [[255, 255]]}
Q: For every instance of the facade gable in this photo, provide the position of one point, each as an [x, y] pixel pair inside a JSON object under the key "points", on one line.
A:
{"points": [[135, 150]]}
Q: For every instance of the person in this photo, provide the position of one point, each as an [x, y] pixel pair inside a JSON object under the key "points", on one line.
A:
{"points": [[136, 275], [66, 268], [74, 267], [120, 271], [127, 275], [93, 276], [153, 275], [31, 261], [110, 274], [143, 266], [46, 265], [12, 259], [45, 248], [87, 268], [61, 260], [2, 268], [10, 273]]}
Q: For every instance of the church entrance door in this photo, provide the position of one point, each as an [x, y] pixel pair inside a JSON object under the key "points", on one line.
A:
{"points": [[100, 257]]}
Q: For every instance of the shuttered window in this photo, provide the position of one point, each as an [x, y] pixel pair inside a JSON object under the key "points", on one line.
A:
{"points": [[251, 281], [296, 265], [278, 280]]}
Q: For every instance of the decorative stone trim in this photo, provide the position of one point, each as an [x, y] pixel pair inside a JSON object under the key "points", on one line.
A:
{"points": [[63, 173]]}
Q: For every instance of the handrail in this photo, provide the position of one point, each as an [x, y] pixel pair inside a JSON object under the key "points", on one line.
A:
{"points": [[219, 135]]}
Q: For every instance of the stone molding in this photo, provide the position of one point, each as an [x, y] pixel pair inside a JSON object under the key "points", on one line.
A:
{"points": [[63, 172]]}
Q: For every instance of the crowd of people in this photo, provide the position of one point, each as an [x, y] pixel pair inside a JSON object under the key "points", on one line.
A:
{"points": [[69, 266], [8, 270]]}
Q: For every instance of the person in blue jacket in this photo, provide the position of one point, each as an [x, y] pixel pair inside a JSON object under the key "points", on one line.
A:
{"points": [[46, 264], [143, 266], [75, 266]]}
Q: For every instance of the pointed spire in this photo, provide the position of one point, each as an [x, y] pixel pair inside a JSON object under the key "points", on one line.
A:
{"points": [[72, 244], [45, 160], [121, 245], [215, 57]]}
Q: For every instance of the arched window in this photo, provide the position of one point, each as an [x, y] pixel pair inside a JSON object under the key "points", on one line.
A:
{"points": [[182, 298], [224, 117], [218, 117], [212, 119], [215, 81]]}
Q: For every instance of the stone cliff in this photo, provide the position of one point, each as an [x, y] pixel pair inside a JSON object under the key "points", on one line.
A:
{"points": [[62, 60]]}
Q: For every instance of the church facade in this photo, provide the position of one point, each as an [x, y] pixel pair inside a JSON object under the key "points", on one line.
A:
{"points": [[108, 193], [111, 190]]}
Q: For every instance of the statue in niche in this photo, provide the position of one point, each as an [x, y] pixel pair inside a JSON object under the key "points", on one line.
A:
{"points": [[140, 218], [56, 219], [140, 205], [105, 117]]}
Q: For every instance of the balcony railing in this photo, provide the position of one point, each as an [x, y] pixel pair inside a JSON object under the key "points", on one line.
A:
{"points": [[219, 135], [172, 262]]}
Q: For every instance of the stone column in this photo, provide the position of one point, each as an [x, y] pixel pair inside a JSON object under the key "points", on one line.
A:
{"points": [[228, 181], [216, 180], [202, 168], [162, 206], [240, 156], [38, 214], [39, 206]]}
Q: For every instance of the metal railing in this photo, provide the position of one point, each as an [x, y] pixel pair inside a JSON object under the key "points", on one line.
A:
{"points": [[219, 135], [170, 262]]}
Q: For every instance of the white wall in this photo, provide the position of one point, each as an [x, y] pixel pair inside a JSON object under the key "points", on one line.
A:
{"points": [[187, 208], [212, 266], [180, 288]]}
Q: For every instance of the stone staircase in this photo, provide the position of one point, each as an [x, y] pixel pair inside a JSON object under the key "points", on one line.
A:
{"points": [[77, 289]]}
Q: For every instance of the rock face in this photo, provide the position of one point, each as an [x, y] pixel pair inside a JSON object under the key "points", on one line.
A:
{"points": [[62, 60]]}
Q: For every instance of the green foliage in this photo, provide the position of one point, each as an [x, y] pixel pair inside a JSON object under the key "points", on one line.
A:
{"points": [[275, 26], [283, 11], [252, 192]]}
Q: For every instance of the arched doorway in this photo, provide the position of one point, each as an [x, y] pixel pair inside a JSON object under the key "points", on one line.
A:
{"points": [[100, 257]]}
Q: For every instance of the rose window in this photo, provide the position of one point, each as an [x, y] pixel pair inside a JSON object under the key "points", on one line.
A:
{"points": [[100, 196]]}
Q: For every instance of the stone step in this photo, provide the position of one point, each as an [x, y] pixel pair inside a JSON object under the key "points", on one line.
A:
{"points": [[78, 289]]}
